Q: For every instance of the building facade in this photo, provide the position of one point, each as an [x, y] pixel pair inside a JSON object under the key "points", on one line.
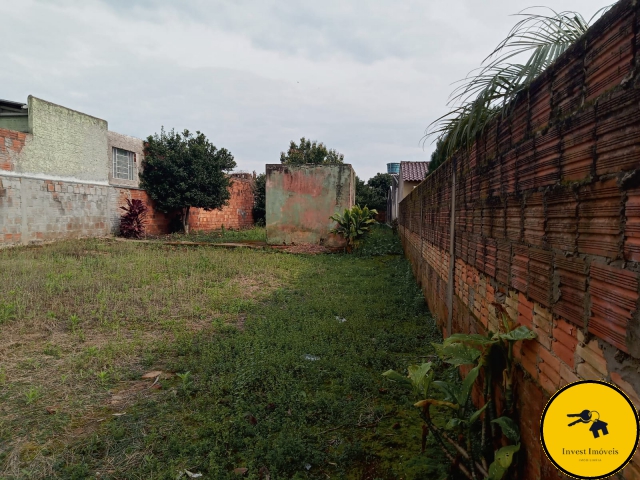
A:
{"points": [[64, 174]]}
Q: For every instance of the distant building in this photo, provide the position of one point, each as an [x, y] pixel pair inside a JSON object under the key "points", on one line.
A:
{"points": [[14, 116], [408, 178]]}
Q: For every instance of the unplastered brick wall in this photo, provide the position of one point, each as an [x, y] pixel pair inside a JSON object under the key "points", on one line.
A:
{"points": [[236, 215], [11, 144], [157, 222], [546, 222]]}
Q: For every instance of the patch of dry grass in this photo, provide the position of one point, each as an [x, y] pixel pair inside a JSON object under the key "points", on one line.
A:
{"points": [[81, 320]]}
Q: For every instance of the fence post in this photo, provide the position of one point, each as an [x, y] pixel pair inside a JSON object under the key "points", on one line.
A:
{"points": [[452, 244]]}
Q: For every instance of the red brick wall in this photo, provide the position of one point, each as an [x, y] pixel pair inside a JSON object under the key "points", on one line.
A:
{"points": [[11, 144], [236, 215], [547, 223], [157, 222]]}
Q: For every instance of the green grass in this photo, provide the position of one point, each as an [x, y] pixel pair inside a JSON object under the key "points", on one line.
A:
{"points": [[255, 234], [268, 378]]}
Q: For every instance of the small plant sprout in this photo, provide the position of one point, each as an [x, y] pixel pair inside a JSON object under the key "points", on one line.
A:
{"points": [[8, 312], [74, 322], [185, 386], [103, 376], [92, 351], [32, 395]]}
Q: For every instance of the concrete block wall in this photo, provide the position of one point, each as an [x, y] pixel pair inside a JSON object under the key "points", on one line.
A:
{"points": [[36, 210], [545, 219]]}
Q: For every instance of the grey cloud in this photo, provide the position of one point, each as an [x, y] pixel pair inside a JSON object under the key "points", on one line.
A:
{"points": [[365, 78]]}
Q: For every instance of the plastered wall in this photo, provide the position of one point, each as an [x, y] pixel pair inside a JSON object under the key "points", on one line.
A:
{"points": [[301, 198], [131, 144], [63, 143], [545, 222]]}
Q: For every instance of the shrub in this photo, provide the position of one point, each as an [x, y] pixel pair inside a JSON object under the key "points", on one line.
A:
{"points": [[181, 171], [260, 200], [490, 364], [132, 223], [353, 224]]}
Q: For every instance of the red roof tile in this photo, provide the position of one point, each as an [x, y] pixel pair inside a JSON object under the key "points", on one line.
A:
{"points": [[413, 171]]}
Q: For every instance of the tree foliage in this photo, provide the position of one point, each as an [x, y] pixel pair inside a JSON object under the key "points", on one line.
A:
{"points": [[373, 194], [438, 156], [181, 171], [310, 152], [260, 199], [487, 92]]}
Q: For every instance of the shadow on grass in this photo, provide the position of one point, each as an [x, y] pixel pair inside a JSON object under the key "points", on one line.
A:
{"points": [[296, 394]]}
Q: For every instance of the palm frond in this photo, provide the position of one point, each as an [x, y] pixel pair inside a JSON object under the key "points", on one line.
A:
{"points": [[486, 91]]}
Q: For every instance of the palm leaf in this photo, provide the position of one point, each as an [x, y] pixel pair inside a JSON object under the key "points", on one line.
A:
{"points": [[488, 90]]}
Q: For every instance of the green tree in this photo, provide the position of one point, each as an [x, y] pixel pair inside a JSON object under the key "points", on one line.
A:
{"points": [[438, 157], [373, 194], [310, 152], [380, 182], [181, 171], [260, 199]]}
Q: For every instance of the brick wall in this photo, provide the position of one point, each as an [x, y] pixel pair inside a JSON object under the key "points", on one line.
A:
{"points": [[547, 222], [11, 144], [238, 214], [157, 223], [34, 209]]}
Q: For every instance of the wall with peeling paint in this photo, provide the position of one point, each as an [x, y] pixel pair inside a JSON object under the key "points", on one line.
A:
{"points": [[546, 217], [301, 198], [56, 182]]}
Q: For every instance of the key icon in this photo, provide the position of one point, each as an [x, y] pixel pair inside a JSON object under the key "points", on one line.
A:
{"points": [[584, 417]]}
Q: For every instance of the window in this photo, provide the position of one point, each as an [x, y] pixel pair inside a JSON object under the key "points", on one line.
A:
{"points": [[123, 164]]}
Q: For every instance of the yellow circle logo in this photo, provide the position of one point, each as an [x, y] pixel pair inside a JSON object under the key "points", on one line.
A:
{"points": [[589, 429]]}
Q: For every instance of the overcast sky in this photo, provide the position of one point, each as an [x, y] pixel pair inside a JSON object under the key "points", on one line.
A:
{"points": [[365, 78]]}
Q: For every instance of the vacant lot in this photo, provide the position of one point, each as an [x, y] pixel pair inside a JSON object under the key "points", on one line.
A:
{"points": [[263, 361]]}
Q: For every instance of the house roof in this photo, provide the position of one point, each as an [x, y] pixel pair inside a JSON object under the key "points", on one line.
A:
{"points": [[413, 171], [13, 108]]}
